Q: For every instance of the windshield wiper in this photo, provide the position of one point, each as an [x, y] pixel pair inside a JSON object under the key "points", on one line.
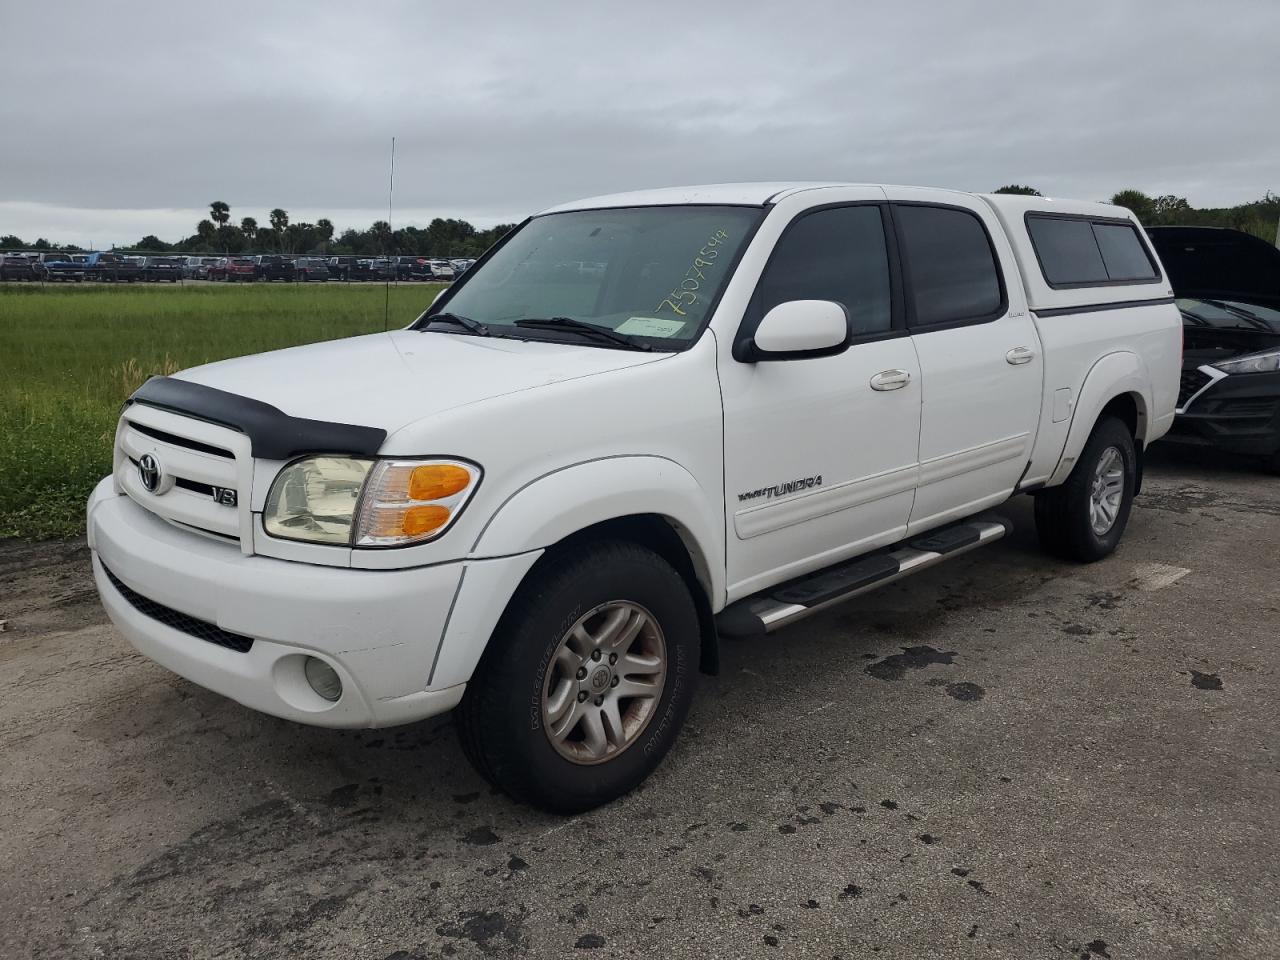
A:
{"points": [[1248, 316], [475, 326], [581, 326]]}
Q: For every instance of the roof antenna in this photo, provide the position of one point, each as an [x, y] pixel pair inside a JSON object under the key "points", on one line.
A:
{"points": [[391, 192]]}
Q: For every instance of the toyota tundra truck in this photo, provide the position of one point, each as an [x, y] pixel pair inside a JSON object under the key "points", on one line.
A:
{"points": [[546, 502]]}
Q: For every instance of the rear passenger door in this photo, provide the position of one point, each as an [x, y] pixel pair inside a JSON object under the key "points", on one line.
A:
{"points": [[980, 360]]}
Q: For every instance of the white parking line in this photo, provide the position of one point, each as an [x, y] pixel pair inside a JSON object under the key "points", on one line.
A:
{"points": [[1156, 576]]}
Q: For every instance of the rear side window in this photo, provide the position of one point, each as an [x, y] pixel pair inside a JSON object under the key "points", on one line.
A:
{"points": [[1077, 252], [1123, 253], [837, 254], [951, 268]]}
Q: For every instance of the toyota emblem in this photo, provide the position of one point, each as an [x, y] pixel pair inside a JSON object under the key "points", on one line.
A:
{"points": [[149, 472]]}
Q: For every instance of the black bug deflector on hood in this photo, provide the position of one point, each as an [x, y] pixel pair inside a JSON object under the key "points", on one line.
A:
{"points": [[273, 433]]}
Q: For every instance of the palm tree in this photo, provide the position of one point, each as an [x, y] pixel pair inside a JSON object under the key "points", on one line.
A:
{"points": [[325, 229], [279, 220], [219, 212], [249, 227]]}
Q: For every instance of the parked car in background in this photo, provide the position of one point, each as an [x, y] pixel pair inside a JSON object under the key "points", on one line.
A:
{"points": [[311, 268], [1228, 289], [111, 268], [60, 267], [382, 268], [273, 266], [348, 268], [240, 269], [441, 270], [460, 266], [412, 268], [162, 269], [197, 268], [17, 266]]}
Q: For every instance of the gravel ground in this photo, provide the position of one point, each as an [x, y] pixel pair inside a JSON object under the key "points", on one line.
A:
{"points": [[1006, 756]]}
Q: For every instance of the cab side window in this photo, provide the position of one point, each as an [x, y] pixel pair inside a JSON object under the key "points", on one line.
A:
{"points": [[950, 265], [836, 254]]}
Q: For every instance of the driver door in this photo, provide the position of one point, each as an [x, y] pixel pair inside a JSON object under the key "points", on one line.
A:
{"points": [[822, 453]]}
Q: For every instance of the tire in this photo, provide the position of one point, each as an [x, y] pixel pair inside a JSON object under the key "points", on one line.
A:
{"points": [[1066, 515], [506, 721]]}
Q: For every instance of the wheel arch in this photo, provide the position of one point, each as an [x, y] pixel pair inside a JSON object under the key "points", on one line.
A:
{"points": [[1117, 385], [647, 500]]}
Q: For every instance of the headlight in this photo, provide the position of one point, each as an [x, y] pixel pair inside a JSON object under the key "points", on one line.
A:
{"points": [[1268, 362], [368, 503], [316, 499]]}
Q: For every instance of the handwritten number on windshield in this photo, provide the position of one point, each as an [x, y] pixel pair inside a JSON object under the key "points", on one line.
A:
{"points": [[686, 294]]}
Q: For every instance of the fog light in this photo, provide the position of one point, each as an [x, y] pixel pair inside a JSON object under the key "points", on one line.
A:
{"points": [[323, 678]]}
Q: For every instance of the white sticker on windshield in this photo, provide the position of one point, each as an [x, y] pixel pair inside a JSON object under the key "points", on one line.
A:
{"points": [[652, 327]]}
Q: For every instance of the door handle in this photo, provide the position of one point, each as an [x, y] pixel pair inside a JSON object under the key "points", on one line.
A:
{"points": [[890, 380], [1019, 355]]}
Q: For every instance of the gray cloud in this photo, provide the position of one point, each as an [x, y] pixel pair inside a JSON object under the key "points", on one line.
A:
{"points": [[133, 116]]}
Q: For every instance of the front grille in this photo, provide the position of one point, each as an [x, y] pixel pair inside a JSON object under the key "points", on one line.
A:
{"points": [[1191, 383], [1262, 408], [192, 626], [181, 441]]}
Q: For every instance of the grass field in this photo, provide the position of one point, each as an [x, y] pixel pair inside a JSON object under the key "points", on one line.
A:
{"points": [[69, 356]]}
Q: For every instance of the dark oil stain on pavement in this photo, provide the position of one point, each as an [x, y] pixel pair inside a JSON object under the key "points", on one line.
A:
{"points": [[485, 928], [965, 692], [1205, 681], [911, 658], [480, 837]]}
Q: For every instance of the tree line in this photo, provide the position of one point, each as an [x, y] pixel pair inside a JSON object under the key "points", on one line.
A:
{"points": [[218, 234], [458, 238]]}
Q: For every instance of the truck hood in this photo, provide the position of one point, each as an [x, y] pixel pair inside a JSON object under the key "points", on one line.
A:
{"points": [[389, 380], [1214, 263]]}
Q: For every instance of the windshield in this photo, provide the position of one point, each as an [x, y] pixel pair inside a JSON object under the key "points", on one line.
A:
{"points": [[1226, 313], [648, 272]]}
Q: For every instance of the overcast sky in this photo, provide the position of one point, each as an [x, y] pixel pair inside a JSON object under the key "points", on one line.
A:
{"points": [[121, 119]]}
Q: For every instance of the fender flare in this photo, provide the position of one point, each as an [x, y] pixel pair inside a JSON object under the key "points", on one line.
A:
{"points": [[565, 501], [554, 506], [1113, 375]]}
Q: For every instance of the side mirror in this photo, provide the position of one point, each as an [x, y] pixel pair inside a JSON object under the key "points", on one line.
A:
{"points": [[798, 329]]}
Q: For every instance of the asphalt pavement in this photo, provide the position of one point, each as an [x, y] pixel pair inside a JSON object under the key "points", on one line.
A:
{"points": [[1006, 756]]}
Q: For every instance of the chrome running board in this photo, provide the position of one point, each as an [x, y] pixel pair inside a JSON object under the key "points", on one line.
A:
{"points": [[785, 604]]}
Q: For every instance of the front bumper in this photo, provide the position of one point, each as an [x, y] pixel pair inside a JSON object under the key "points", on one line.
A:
{"points": [[380, 630], [1239, 413]]}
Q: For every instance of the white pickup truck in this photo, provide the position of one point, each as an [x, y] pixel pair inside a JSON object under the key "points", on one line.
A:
{"points": [[640, 424]]}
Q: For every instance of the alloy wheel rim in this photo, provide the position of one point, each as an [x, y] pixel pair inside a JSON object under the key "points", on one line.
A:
{"points": [[1106, 491], [604, 681]]}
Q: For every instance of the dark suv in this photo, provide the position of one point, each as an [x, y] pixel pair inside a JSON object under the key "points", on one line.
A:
{"points": [[348, 268], [17, 266], [311, 268], [273, 267], [158, 269]]}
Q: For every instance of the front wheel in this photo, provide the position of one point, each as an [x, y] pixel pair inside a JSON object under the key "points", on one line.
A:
{"points": [[1085, 517], [587, 679]]}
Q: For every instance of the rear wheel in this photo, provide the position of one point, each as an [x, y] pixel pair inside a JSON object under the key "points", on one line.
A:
{"points": [[1085, 517], [586, 681]]}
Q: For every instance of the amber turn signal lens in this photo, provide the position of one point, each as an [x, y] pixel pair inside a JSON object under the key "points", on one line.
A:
{"points": [[419, 520], [435, 481]]}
